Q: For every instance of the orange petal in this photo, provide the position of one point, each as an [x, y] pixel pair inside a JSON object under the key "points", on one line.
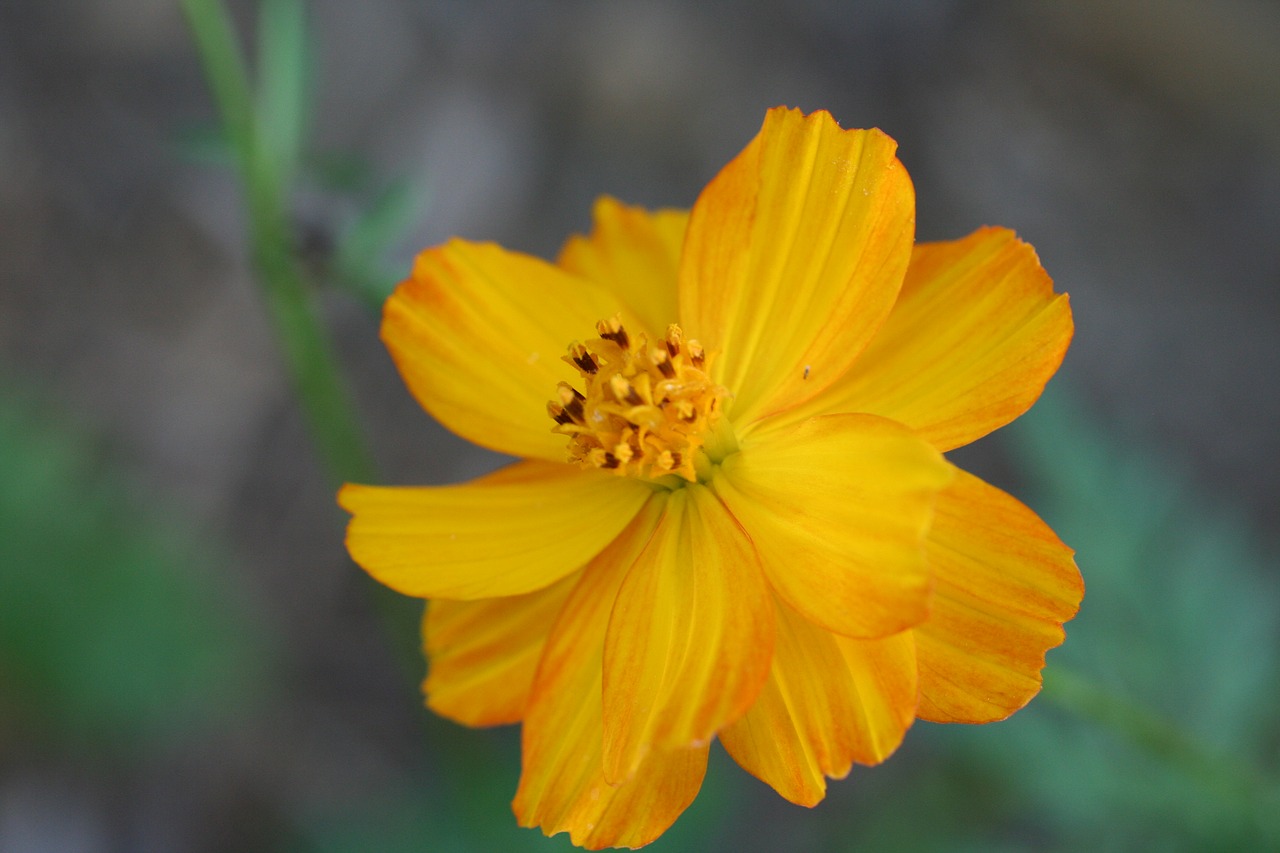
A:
{"points": [[635, 253], [562, 785], [829, 701], [974, 337], [478, 333], [794, 256], [838, 509], [520, 529], [483, 654], [1004, 586], [691, 636]]}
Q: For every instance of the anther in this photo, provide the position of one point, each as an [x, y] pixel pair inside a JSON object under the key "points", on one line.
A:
{"points": [[650, 407], [623, 390], [571, 400], [663, 362], [674, 338], [584, 360], [669, 460], [611, 330], [696, 354], [558, 414], [623, 453]]}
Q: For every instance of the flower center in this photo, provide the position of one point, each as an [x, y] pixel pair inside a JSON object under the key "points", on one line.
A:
{"points": [[644, 411]]}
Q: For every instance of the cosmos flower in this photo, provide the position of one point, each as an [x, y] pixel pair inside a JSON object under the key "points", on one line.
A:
{"points": [[732, 517]]}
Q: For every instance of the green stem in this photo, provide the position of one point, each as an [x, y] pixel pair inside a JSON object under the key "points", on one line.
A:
{"points": [[306, 346]]}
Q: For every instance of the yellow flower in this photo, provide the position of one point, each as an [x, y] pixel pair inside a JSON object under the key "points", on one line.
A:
{"points": [[733, 517]]}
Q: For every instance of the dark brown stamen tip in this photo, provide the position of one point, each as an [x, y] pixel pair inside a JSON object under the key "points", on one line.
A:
{"points": [[611, 330], [558, 414], [696, 354], [663, 363], [674, 337], [619, 337], [571, 399]]}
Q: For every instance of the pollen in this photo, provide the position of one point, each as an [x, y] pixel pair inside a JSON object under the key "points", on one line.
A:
{"points": [[644, 410]]}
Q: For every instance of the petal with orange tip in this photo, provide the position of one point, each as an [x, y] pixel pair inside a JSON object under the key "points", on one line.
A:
{"points": [[794, 256], [1005, 584], [483, 654], [562, 784], [478, 334], [969, 346], [829, 701], [690, 638]]}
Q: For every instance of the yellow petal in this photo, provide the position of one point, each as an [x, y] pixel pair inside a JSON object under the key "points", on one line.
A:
{"points": [[1005, 584], [829, 701], [483, 654], [691, 636], [478, 333], [794, 256], [635, 253], [562, 784], [974, 337], [520, 529], [838, 509]]}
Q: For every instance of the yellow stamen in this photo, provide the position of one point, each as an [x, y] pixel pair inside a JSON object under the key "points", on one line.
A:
{"points": [[644, 411]]}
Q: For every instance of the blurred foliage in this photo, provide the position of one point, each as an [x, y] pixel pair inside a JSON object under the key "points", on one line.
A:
{"points": [[115, 627], [1179, 636]]}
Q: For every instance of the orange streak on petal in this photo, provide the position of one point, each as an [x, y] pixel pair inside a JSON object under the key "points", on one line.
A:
{"points": [[1004, 586], [830, 701], [838, 509], [968, 347], [477, 333], [691, 635], [562, 784], [794, 256], [483, 654]]}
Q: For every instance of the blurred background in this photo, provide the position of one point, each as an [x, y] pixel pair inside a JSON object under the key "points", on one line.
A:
{"points": [[189, 661]]}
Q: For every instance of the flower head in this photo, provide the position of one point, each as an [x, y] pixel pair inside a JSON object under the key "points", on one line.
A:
{"points": [[732, 517]]}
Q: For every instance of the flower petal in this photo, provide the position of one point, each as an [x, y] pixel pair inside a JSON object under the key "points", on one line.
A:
{"points": [[514, 531], [478, 333], [483, 654], [562, 784], [1004, 586], [974, 337], [838, 509], [794, 256], [690, 638], [829, 701], [635, 253]]}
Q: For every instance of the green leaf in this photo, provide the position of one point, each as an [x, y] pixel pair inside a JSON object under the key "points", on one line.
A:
{"points": [[360, 260]]}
